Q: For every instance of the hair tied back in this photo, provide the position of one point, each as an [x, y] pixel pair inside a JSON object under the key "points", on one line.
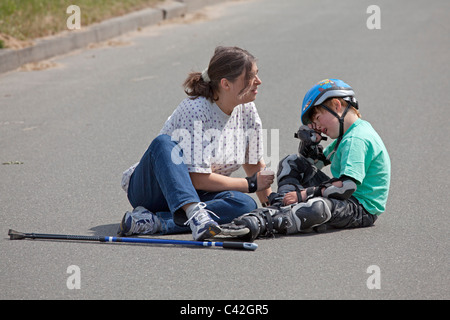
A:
{"points": [[205, 76]]}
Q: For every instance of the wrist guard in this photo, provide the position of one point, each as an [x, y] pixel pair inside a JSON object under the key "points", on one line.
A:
{"points": [[252, 183], [311, 192]]}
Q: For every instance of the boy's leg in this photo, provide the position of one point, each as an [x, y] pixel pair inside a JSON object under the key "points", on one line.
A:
{"points": [[300, 217], [349, 213], [295, 173]]}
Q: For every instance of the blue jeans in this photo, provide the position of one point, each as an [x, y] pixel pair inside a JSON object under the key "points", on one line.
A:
{"points": [[164, 187]]}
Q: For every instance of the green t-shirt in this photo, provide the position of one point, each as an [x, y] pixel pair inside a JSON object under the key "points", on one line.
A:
{"points": [[362, 156]]}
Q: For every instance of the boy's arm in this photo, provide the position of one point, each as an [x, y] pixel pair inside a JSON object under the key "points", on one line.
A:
{"points": [[337, 188], [340, 188]]}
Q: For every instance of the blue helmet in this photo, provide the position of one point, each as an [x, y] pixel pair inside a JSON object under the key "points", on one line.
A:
{"points": [[323, 90]]}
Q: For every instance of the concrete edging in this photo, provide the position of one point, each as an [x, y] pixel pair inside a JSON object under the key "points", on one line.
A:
{"points": [[67, 41]]}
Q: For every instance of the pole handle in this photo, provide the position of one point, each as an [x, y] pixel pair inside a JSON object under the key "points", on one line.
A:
{"points": [[240, 245]]}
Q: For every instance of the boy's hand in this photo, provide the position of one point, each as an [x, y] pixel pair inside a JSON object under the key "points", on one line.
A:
{"points": [[319, 136], [308, 135], [290, 198], [309, 146]]}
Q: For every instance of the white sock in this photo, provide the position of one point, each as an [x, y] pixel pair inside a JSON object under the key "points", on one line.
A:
{"points": [[190, 209]]}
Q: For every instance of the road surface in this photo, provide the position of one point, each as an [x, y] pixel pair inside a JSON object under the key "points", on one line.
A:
{"points": [[68, 132]]}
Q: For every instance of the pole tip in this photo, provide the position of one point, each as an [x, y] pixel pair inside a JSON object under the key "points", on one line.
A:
{"points": [[15, 235], [250, 246]]}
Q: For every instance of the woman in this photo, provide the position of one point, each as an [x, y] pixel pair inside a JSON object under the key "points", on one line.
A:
{"points": [[187, 168]]}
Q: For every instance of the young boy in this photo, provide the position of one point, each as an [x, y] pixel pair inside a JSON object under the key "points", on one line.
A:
{"points": [[307, 197]]}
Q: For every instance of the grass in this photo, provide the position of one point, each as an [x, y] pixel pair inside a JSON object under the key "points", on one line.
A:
{"points": [[30, 19]]}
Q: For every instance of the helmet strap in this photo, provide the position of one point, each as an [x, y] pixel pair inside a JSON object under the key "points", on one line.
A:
{"points": [[341, 125]]}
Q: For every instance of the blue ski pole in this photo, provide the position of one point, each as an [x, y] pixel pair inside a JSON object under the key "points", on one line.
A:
{"points": [[15, 235]]}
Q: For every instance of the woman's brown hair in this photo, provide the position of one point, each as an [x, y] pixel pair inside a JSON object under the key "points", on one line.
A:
{"points": [[228, 63]]}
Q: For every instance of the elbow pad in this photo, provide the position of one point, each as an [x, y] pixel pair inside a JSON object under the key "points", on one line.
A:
{"points": [[340, 193]]}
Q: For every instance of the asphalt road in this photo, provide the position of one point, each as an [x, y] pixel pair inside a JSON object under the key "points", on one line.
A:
{"points": [[74, 128]]}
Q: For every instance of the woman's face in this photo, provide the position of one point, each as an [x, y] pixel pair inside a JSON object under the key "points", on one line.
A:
{"points": [[246, 90]]}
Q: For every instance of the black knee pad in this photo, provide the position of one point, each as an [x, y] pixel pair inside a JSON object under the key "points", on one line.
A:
{"points": [[294, 170], [313, 213]]}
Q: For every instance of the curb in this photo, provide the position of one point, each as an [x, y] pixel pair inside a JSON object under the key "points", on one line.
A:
{"points": [[67, 41]]}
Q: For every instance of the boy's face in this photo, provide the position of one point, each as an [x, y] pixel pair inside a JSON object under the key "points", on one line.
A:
{"points": [[325, 122]]}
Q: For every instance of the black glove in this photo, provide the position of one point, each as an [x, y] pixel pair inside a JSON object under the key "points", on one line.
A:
{"points": [[309, 146]]}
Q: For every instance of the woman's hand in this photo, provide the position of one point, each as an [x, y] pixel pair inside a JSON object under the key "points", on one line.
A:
{"points": [[264, 179]]}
